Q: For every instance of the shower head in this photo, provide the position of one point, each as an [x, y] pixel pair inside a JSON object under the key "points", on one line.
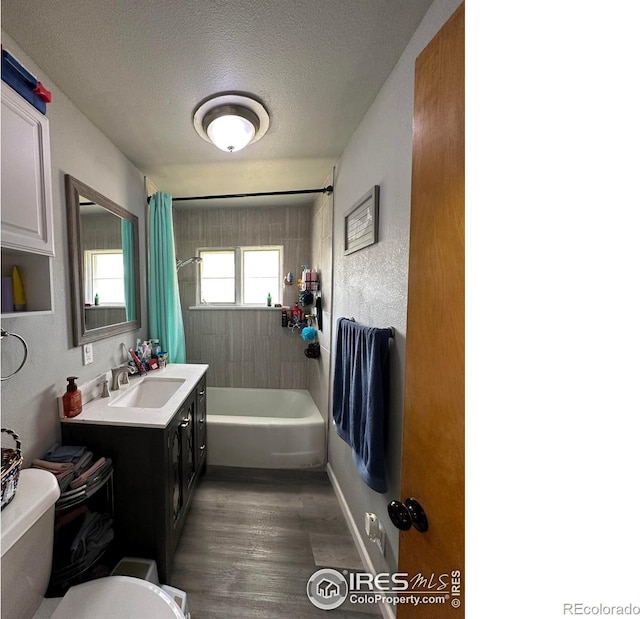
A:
{"points": [[184, 263]]}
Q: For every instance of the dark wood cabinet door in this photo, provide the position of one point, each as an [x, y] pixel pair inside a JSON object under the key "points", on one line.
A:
{"points": [[201, 423]]}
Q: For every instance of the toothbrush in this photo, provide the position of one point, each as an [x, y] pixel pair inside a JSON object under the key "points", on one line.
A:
{"points": [[141, 370]]}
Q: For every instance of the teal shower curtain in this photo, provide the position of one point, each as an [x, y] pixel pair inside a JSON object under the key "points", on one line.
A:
{"points": [[165, 314], [128, 254]]}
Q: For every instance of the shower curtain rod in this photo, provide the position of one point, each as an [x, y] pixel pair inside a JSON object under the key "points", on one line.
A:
{"points": [[327, 189]]}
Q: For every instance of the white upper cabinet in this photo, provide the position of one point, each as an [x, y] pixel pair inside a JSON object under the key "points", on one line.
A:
{"points": [[27, 216]]}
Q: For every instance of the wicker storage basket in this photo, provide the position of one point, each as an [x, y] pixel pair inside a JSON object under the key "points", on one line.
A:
{"points": [[11, 462]]}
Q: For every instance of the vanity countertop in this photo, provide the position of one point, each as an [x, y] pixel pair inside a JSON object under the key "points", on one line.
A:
{"points": [[101, 411]]}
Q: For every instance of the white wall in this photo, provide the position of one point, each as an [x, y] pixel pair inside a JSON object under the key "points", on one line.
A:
{"points": [[322, 261], [371, 284], [80, 149]]}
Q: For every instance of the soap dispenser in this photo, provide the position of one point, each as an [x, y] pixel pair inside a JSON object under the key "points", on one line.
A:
{"points": [[72, 400]]}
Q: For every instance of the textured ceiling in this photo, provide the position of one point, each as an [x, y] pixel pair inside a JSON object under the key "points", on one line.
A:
{"points": [[138, 70]]}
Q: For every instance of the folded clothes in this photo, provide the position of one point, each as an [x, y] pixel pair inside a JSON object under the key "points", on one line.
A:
{"points": [[62, 471], [64, 453], [54, 467], [94, 534], [65, 480], [83, 464], [82, 479], [74, 491], [99, 476]]}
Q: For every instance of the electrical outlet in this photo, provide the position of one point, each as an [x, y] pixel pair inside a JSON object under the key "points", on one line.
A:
{"points": [[87, 354]]}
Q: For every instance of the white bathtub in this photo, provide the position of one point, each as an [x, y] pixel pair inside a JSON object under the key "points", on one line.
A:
{"points": [[264, 428]]}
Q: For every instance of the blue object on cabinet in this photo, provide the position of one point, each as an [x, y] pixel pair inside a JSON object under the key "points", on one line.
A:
{"points": [[23, 82]]}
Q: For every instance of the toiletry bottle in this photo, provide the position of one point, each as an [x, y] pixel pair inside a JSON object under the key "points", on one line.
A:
{"points": [[296, 314], [268, 299], [19, 300], [96, 300], [72, 400]]}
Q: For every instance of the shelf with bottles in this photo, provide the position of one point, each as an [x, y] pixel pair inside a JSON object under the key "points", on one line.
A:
{"points": [[310, 280], [35, 271]]}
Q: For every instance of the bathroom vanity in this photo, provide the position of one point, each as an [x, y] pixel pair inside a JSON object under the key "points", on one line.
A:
{"points": [[154, 430]]}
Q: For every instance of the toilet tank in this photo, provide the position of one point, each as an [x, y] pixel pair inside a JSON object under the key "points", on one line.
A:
{"points": [[27, 543]]}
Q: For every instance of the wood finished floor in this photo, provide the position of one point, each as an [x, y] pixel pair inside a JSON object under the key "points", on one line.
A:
{"points": [[252, 539]]}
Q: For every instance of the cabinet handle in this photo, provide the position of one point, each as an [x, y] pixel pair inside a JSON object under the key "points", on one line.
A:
{"points": [[202, 447], [185, 423], [201, 392]]}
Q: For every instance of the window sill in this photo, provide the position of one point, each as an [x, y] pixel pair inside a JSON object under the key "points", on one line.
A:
{"points": [[259, 308]]}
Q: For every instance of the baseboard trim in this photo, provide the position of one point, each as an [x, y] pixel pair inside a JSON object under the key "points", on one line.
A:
{"points": [[386, 609]]}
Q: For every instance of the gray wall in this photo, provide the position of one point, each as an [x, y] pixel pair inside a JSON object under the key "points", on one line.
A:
{"points": [[80, 149], [101, 231], [243, 347], [322, 261], [371, 284]]}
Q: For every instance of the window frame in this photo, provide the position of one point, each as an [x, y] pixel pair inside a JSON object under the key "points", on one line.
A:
{"points": [[89, 255], [239, 252]]}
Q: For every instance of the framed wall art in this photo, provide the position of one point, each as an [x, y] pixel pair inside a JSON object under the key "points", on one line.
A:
{"points": [[361, 222]]}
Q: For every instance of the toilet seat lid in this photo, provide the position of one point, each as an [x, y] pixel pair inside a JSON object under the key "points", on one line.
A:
{"points": [[123, 597]]}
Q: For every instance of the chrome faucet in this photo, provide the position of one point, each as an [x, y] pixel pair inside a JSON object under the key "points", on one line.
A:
{"points": [[105, 389], [123, 370]]}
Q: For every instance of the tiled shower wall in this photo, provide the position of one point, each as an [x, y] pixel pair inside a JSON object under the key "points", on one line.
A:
{"points": [[243, 347], [322, 260]]}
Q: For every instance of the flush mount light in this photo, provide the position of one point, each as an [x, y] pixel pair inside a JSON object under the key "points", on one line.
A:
{"points": [[231, 121]]}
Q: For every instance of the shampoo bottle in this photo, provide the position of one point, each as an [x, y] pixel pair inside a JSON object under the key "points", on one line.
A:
{"points": [[72, 400], [296, 314]]}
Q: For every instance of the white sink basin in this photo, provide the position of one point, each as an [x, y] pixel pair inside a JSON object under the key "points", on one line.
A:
{"points": [[148, 393]]}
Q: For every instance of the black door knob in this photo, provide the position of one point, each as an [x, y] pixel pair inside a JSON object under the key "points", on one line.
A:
{"points": [[418, 517], [399, 515], [403, 515]]}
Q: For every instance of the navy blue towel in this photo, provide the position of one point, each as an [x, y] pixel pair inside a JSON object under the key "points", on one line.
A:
{"points": [[360, 394], [64, 453]]}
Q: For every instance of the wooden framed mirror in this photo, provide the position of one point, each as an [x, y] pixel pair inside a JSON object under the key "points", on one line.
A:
{"points": [[104, 264]]}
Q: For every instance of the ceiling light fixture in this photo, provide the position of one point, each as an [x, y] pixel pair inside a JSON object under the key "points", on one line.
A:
{"points": [[231, 121]]}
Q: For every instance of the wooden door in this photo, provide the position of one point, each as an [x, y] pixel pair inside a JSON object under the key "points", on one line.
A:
{"points": [[433, 439]]}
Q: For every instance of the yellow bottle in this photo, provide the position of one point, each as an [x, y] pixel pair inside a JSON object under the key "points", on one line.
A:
{"points": [[19, 300]]}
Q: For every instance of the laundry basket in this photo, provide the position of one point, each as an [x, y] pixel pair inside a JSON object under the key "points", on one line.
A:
{"points": [[11, 462]]}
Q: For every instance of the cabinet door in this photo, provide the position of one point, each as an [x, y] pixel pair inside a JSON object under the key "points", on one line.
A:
{"points": [[201, 423], [176, 490], [189, 448], [27, 217]]}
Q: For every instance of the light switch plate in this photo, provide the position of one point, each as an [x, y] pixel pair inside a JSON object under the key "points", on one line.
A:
{"points": [[87, 354]]}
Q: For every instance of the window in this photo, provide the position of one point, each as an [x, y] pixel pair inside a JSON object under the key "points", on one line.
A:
{"points": [[104, 276], [241, 276], [218, 277]]}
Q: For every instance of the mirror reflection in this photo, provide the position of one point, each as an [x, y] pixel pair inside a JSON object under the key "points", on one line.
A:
{"points": [[108, 262], [103, 250]]}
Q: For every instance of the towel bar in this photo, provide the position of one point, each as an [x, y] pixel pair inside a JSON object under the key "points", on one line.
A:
{"points": [[392, 331]]}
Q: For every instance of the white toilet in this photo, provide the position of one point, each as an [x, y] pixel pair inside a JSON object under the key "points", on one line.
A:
{"points": [[27, 547]]}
